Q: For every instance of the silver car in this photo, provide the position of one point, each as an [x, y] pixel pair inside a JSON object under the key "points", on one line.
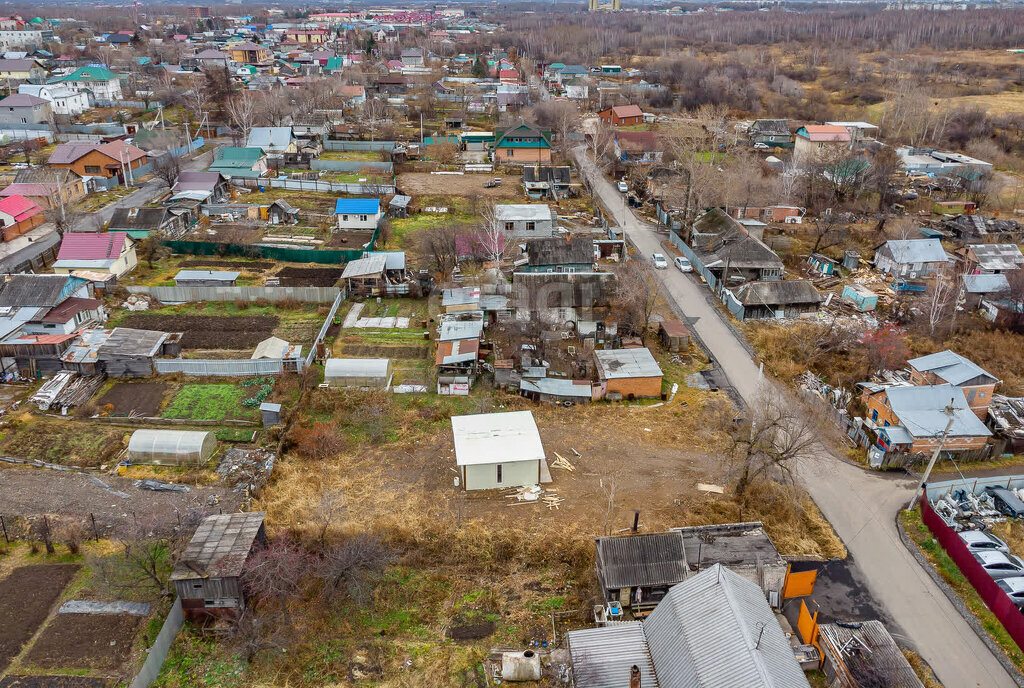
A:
{"points": [[659, 261], [981, 541], [1000, 564], [1014, 587]]}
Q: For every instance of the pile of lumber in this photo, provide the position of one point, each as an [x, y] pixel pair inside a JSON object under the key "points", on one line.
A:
{"points": [[562, 462]]}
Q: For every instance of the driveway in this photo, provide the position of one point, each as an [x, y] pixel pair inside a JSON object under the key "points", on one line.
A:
{"points": [[861, 506]]}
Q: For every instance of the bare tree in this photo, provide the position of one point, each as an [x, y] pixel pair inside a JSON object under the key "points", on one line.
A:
{"points": [[143, 561], [496, 241], [767, 446], [275, 573], [167, 169], [942, 297], [152, 249], [349, 565], [636, 292], [328, 511], [828, 229], [439, 245], [241, 109]]}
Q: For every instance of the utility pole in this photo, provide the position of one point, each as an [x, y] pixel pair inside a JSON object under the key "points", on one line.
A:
{"points": [[949, 410]]}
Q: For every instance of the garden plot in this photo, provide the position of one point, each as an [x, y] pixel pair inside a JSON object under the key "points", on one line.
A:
{"points": [[219, 401], [209, 331], [388, 322], [26, 596], [309, 277], [139, 398], [63, 442], [54, 682], [100, 642]]}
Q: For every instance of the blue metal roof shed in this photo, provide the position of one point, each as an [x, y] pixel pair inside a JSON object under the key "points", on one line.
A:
{"points": [[357, 206]]}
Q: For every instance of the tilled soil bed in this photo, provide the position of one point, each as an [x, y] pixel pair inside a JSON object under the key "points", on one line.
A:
{"points": [[143, 398], [209, 331], [309, 277], [232, 264], [26, 596], [84, 641]]}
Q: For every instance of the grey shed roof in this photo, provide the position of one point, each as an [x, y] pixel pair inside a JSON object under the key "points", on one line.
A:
{"points": [[615, 364], [884, 659], [632, 560], [542, 173], [716, 629], [269, 138], [124, 341], [452, 330], [916, 251], [393, 260], [602, 657], [997, 256], [400, 201], [218, 275], [220, 546], [32, 290], [371, 264], [774, 127], [137, 218], [777, 293], [986, 283], [558, 251], [557, 387], [952, 367]]}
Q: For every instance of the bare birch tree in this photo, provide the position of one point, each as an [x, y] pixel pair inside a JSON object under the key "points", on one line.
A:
{"points": [[242, 112]]}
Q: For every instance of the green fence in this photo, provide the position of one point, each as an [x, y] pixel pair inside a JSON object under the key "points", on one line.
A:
{"points": [[288, 255]]}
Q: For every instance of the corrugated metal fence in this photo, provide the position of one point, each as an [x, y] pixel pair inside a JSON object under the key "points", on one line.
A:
{"points": [[317, 185], [158, 653], [359, 145], [323, 330], [273, 294], [352, 165], [236, 367]]}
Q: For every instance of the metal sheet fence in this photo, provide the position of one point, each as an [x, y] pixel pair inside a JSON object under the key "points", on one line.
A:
{"points": [[272, 294], [330, 144], [289, 255], [991, 594], [352, 165], [161, 647], [323, 329], [243, 367], [316, 185]]}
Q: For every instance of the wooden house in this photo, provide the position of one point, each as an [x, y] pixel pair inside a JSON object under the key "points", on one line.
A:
{"points": [[622, 115], [207, 577]]}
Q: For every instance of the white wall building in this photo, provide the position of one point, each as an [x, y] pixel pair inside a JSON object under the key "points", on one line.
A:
{"points": [[63, 100]]}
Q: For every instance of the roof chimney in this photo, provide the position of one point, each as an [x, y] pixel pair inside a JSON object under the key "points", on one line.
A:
{"points": [[634, 676]]}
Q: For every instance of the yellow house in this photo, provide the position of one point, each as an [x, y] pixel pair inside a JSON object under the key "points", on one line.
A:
{"points": [[111, 253], [21, 70], [249, 53]]}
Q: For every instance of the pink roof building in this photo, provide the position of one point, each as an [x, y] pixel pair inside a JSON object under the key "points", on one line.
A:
{"points": [[109, 252]]}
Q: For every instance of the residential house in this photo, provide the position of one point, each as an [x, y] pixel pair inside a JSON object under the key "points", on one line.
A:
{"points": [[947, 366], [307, 36], [541, 181], [46, 186], [725, 251], [24, 38], [19, 215], [358, 213], [272, 139], [246, 163], [210, 57], [22, 69], [207, 577], [354, 94], [139, 222], [770, 133], [97, 81], [525, 221], [69, 316], [912, 418], [199, 185], [105, 252], [979, 288], [622, 115], [249, 53], [114, 159], [412, 57], [912, 258], [859, 131], [817, 141], [512, 96], [772, 299], [628, 373], [497, 450], [559, 255], [21, 108], [638, 570], [63, 100], [637, 147], [713, 629], [570, 73], [26, 298], [990, 259], [522, 144]]}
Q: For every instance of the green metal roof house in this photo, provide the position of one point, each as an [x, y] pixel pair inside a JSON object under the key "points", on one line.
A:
{"points": [[248, 163], [523, 143]]}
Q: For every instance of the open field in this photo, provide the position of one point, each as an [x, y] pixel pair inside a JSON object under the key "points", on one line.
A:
{"points": [[62, 441], [208, 331], [101, 642], [425, 184], [26, 596]]}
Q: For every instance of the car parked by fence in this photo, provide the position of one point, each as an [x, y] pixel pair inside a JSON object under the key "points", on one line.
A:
{"points": [[982, 541], [1000, 564], [1014, 588]]}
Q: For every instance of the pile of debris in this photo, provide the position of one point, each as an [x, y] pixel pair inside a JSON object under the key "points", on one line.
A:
{"points": [[962, 510], [246, 470], [535, 493], [65, 390], [138, 302]]}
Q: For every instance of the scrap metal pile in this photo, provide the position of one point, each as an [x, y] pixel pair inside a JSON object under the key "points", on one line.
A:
{"points": [[962, 510]]}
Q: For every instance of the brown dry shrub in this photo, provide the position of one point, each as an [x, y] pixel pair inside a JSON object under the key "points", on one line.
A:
{"points": [[321, 441]]}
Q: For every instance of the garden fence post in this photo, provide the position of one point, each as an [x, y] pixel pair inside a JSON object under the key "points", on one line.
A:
{"points": [[4, 526], [95, 533]]}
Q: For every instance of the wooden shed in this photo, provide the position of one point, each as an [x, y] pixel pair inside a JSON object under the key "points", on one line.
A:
{"points": [[674, 335], [207, 576]]}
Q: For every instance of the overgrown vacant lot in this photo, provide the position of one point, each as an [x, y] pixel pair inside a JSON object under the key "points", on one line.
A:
{"points": [[64, 442]]}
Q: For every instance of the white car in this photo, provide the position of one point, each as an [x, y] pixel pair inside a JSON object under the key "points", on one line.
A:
{"points": [[1014, 587], [659, 261], [1000, 564], [980, 541], [683, 264], [623, 187]]}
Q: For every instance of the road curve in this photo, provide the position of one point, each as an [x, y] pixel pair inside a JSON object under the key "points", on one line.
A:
{"points": [[861, 506]]}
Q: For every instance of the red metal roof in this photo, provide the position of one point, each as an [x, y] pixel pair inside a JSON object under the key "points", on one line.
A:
{"points": [[92, 246], [70, 307], [19, 207], [628, 111], [41, 338]]}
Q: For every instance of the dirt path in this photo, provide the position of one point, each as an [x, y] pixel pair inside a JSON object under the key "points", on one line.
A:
{"points": [[30, 492]]}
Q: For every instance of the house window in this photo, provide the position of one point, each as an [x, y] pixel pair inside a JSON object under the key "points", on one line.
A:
{"points": [[197, 586], [498, 477], [886, 423], [820, 146], [344, 218], [92, 169], [362, 218], [874, 415], [531, 226], [510, 226]]}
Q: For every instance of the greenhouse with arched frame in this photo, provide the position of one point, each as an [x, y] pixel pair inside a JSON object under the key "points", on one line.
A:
{"points": [[171, 447]]}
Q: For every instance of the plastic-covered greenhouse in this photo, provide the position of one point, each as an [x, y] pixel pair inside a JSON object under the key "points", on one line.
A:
{"points": [[171, 447], [358, 372]]}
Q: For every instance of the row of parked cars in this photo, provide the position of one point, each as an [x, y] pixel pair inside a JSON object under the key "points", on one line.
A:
{"points": [[993, 554]]}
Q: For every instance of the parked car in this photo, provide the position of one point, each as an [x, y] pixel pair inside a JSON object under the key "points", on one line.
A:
{"points": [[981, 541], [1005, 501], [492, 183], [683, 264], [623, 187], [1000, 564], [659, 261], [1014, 587]]}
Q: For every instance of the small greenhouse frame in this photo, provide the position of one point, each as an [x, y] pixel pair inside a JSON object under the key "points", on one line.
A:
{"points": [[171, 447]]}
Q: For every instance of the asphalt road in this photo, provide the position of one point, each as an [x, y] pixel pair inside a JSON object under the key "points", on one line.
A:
{"points": [[860, 505], [143, 195]]}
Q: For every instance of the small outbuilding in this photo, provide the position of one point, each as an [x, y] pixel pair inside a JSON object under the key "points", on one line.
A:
{"points": [[171, 447], [398, 206], [860, 296], [362, 373], [497, 450], [674, 335], [206, 278], [628, 373], [207, 576]]}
